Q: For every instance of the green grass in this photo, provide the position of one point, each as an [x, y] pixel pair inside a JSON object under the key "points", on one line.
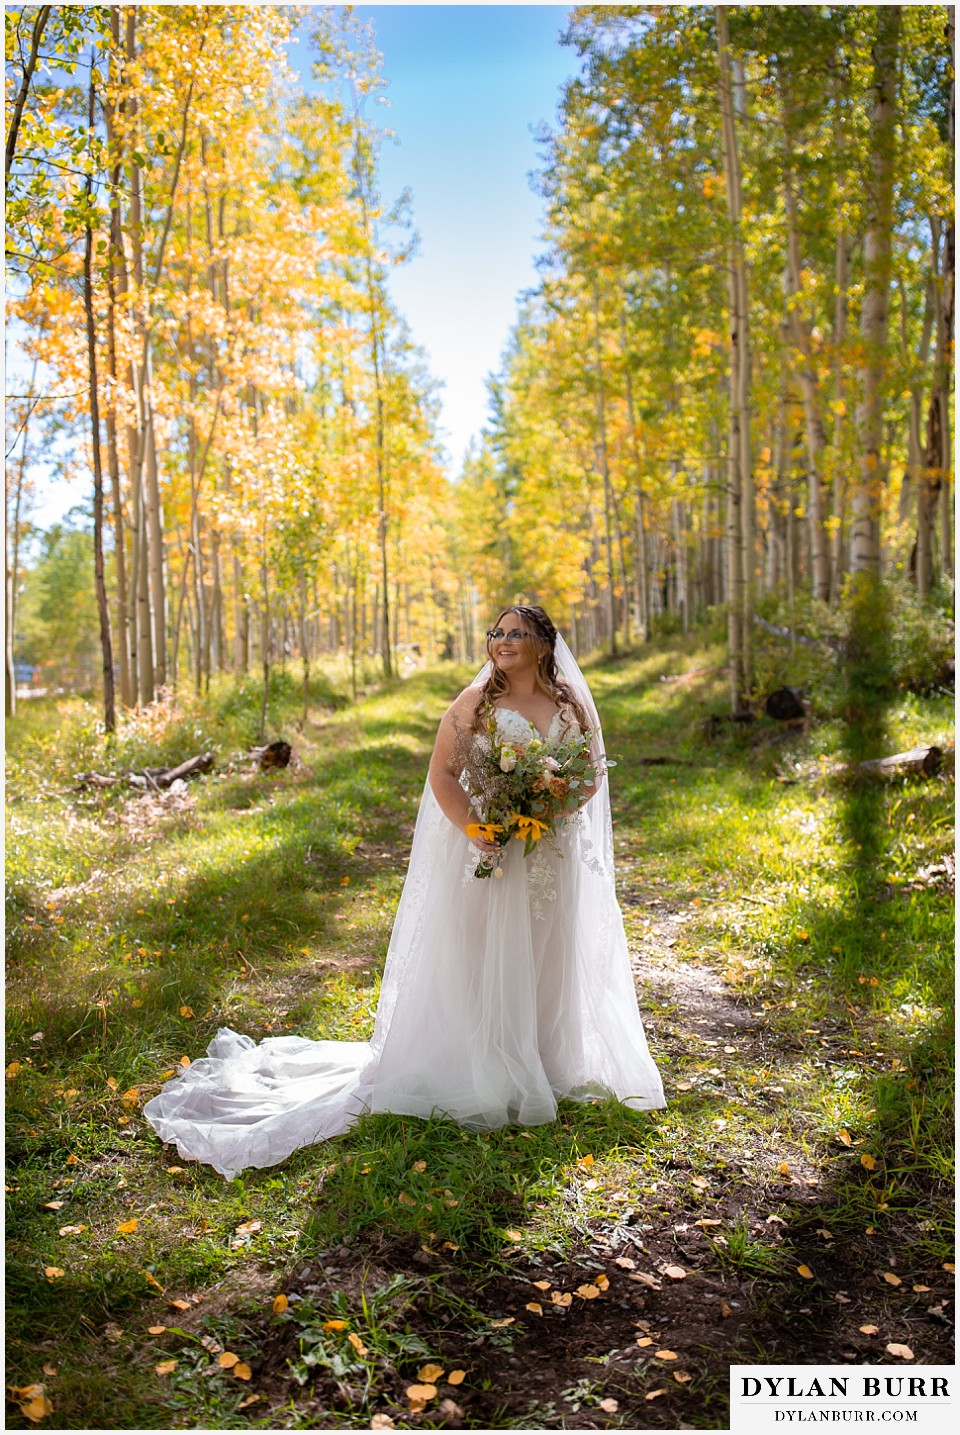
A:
{"points": [[265, 902]]}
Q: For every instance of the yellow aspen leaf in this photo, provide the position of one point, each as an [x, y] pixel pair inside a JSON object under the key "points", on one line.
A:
{"points": [[949, 1266], [806, 1272], [50, 1370], [406, 1200], [186, 1011], [507, 1320], [151, 1280], [180, 1304], [330, 1325], [53, 1273], [280, 1304], [456, 1377], [643, 1341], [534, 1306], [32, 1401], [131, 1096], [653, 1394], [249, 1400], [427, 1391], [248, 1228], [891, 1279], [543, 1285], [869, 1330], [845, 1137], [902, 1352], [725, 1310], [869, 1161], [185, 1061], [156, 1329], [665, 1355], [563, 1298], [174, 1170], [344, 881], [127, 1228], [13, 1070], [587, 1292], [430, 1374], [609, 1406], [166, 1367], [921, 1289], [242, 1371], [72, 1230], [73, 1160], [626, 1263], [824, 1234], [357, 1343], [419, 1166], [684, 1085], [784, 1168], [228, 1360], [676, 1273], [53, 1205], [513, 1235], [682, 1377], [602, 1282]]}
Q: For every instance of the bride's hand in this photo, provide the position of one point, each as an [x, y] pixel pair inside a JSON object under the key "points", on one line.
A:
{"points": [[483, 846]]}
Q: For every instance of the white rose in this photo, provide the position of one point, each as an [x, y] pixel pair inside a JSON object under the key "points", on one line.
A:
{"points": [[508, 761], [552, 763]]}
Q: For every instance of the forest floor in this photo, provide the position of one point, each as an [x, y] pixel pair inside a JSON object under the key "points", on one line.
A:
{"points": [[792, 937]]}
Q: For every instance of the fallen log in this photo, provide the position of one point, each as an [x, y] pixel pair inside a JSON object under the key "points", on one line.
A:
{"points": [[155, 777], [831, 646], [166, 776], [924, 761]]}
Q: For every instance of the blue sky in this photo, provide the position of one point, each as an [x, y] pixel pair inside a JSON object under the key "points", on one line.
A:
{"points": [[467, 84]]}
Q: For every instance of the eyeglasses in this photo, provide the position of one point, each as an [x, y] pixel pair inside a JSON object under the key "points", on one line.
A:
{"points": [[514, 635]]}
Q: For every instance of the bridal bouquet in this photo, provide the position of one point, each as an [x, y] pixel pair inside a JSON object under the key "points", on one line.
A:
{"points": [[523, 789]]}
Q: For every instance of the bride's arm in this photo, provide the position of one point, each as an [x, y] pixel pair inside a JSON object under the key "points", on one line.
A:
{"points": [[446, 764]]}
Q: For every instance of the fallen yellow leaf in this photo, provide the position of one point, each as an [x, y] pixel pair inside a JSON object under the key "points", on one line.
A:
{"points": [[903, 1352], [513, 1235], [534, 1306], [543, 1285], [561, 1298], [869, 1330], [588, 1292], [891, 1279], [186, 1011], [602, 1282], [868, 1161], [248, 1400], [676, 1273], [13, 1070], [280, 1304], [845, 1137], [920, 1289], [421, 1392], [626, 1263], [72, 1230], [682, 1376], [665, 1355], [127, 1228], [53, 1205], [166, 1367], [242, 1371], [456, 1377], [652, 1394], [228, 1360], [644, 1340], [609, 1405], [419, 1166], [248, 1228], [52, 1273], [806, 1272], [507, 1320], [180, 1304], [73, 1160], [430, 1374], [357, 1343], [156, 1329], [406, 1200]]}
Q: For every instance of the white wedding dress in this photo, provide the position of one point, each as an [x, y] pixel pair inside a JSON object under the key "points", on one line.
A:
{"points": [[499, 997]]}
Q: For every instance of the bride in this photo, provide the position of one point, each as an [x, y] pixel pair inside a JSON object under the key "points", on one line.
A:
{"points": [[498, 997]]}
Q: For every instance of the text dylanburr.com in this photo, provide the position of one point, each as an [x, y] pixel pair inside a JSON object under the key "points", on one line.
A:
{"points": [[773, 1398]]}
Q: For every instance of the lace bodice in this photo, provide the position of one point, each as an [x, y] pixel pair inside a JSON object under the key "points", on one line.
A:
{"points": [[517, 728]]}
